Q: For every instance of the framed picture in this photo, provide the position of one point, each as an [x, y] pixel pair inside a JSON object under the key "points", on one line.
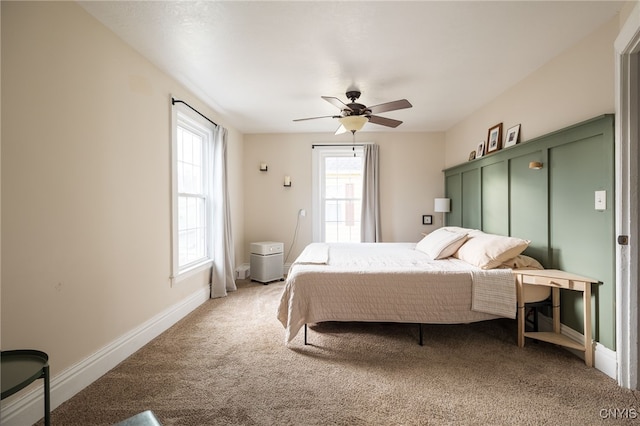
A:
{"points": [[480, 150], [513, 135], [494, 138], [427, 219], [472, 155]]}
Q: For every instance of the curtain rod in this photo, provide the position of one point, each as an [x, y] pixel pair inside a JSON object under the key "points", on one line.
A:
{"points": [[338, 144], [174, 101]]}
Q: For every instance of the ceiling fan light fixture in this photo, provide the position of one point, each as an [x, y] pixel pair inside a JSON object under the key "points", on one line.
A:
{"points": [[353, 123]]}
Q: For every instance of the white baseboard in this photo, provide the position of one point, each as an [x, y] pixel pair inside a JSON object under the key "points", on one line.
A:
{"points": [[25, 409], [604, 359]]}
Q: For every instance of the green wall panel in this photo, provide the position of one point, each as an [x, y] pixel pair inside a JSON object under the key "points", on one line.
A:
{"points": [[471, 214], [454, 193], [495, 198], [582, 238], [528, 205], [553, 207]]}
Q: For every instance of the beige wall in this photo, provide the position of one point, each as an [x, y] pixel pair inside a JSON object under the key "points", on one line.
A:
{"points": [[86, 184], [575, 86], [626, 10], [410, 178]]}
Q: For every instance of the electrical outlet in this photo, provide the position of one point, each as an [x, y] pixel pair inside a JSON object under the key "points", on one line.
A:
{"points": [[302, 212]]}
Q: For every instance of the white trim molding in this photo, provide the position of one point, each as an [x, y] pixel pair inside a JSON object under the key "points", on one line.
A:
{"points": [[27, 408], [627, 104], [604, 359]]}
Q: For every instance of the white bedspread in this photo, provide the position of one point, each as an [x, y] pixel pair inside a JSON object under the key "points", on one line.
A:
{"points": [[314, 254], [387, 282]]}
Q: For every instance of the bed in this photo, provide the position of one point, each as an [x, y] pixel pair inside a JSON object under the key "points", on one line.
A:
{"points": [[454, 275]]}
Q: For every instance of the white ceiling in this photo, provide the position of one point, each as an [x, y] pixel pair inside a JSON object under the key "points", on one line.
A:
{"points": [[262, 64]]}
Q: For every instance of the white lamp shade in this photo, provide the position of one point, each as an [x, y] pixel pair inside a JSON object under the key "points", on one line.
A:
{"points": [[353, 123], [442, 205]]}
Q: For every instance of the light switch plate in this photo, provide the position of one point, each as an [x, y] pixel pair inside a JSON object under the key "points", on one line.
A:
{"points": [[601, 200]]}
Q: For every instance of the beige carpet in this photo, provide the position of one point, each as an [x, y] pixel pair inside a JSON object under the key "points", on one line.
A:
{"points": [[226, 364]]}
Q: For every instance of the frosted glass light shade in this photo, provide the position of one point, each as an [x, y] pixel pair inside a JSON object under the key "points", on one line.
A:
{"points": [[353, 123], [442, 205]]}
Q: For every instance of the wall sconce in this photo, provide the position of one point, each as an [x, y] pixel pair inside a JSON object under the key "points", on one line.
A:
{"points": [[535, 165], [442, 205], [263, 167], [287, 181]]}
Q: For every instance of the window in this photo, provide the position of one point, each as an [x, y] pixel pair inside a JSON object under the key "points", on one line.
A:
{"points": [[191, 171], [337, 193]]}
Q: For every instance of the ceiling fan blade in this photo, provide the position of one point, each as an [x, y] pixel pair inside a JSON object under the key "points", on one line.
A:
{"points": [[314, 118], [336, 102], [390, 106], [389, 122], [341, 130]]}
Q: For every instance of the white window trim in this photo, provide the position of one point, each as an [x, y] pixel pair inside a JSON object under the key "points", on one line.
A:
{"points": [[320, 151], [181, 114]]}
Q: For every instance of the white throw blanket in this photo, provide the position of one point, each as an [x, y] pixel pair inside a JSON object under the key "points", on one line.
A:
{"points": [[494, 292]]}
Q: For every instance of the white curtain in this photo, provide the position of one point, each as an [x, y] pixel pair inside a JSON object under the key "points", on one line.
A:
{"points": [[222, 274], [370, 220]]}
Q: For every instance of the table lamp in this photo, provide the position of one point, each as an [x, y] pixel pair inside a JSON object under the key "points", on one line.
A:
{"points": [[442, 205]]}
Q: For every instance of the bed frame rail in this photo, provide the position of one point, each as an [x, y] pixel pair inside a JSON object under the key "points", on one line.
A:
{"points": [[419, 325]]}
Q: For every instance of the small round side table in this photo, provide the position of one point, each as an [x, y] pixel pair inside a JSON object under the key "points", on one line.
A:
{"points": [[19, 368]]}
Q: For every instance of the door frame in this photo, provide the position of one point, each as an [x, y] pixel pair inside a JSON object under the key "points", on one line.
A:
{"points": [[627, 105]]}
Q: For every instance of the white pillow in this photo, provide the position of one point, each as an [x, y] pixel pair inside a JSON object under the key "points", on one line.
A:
{"points": [[469, 231], [522, 262], [458, 229], [441, 243], [489, 251]]}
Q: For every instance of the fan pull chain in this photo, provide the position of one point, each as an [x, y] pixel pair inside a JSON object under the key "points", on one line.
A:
{"points": [[353, 148]]}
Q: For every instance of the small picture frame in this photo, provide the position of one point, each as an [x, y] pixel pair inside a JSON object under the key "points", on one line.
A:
{"points": [[513, 136], [494, 138], [427, 219], [472, 155], [480, 150]]}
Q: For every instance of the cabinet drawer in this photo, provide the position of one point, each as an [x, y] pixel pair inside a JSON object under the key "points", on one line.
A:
{"points": [[547, 281]]}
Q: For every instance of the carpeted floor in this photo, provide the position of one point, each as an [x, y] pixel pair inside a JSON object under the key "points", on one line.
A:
{"points": [[226, 364]]}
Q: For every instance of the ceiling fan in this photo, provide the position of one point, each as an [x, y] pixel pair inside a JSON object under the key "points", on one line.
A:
{"points": [[353, 116]]}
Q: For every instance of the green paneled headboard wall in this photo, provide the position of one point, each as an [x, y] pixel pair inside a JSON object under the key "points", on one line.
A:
{"points": [[554, 207]]}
